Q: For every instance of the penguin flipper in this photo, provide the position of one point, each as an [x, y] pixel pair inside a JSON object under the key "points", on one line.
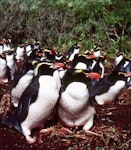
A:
{"points": [[28, 97], [101, 86], [11, 120]]}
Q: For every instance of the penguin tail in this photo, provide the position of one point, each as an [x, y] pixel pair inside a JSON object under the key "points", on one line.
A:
{"points": [[11, 121]]}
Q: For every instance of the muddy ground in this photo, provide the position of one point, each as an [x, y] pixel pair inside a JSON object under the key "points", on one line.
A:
{"points": [[111, 129]]}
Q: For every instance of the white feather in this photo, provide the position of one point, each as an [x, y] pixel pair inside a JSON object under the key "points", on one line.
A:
{"points": [[17, 91], [74, 108], [110, 95], [3, 70]]}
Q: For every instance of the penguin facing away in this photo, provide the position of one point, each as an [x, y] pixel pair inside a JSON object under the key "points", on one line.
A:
{"points": [[37, 102], [74, 107]]}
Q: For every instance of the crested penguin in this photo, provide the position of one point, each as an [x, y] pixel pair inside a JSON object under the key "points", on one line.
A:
{"points": [[37, 102], [74, 107], [108, 87], [119, 56], [75, 49]]}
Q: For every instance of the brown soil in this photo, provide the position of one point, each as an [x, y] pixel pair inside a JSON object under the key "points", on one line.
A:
{"points": [[111, 129]]}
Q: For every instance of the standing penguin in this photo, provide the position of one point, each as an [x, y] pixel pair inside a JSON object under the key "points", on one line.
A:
{"points": [[75, 49], [37, 102], [97, 52], [11, 63], [28, 48], [20, 53], [74, 107], [119, 56], [6, 45]]}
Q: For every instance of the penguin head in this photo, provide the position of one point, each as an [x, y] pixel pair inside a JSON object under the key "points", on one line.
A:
{"points": [[97, 52], [75, 49], [43, 68], [80, 62], [119, 56], [49, 55], [124, 65]]}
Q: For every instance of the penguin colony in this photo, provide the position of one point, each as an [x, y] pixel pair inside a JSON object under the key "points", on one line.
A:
{"points": [[70, 83]]}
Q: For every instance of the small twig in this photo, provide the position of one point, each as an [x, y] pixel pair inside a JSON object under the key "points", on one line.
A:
{"points": [[4, 84], [125, 144], [93, 133], [111, 108], [123, 104]]}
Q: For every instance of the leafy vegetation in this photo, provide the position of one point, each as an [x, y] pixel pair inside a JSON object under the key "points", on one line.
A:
{"points": [[60, 23]]}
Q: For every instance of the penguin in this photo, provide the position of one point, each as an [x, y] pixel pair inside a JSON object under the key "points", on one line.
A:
{"points": [[74, 106], [124, 65], [49, 55], [3, 69], [20, 53], [28, 48], [37, 102], [98, 66], [97, 52], [119, 56], [128, 73], [36, 45], [6, 45], [75, 49], [11, 63], [108, 88], [128, 80], [91, 65], [96, 70], [60, 64], [23, 78]]}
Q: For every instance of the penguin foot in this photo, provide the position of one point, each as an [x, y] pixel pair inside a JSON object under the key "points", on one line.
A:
{"points": [[30, 140], [100, 102], [4, 81], [129, 88], [93, 133]]}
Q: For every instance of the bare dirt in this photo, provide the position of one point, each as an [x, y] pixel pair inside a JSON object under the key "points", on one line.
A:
{"points": [[111, 129]]}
